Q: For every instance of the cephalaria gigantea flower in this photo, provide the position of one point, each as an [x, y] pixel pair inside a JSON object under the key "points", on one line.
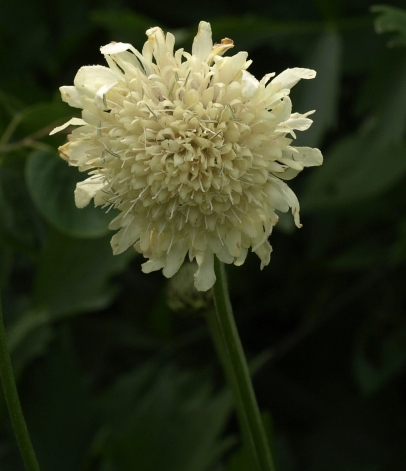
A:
{"points": [[191, 149]]}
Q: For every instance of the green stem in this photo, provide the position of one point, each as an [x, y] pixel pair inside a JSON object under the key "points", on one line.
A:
{"points": [[225, 336], [13, 403]]}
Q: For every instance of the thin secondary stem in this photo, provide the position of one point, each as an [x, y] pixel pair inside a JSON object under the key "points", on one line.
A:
{"points": [[227, 340], [13, 403]]}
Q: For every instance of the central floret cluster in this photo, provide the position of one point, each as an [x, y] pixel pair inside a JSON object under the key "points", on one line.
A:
{"points": [[190, 148]]}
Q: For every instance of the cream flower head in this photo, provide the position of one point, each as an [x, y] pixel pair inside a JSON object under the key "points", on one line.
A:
{"points": [[191, 149]]}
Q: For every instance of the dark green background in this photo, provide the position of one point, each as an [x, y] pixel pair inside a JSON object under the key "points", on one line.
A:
{"points": [[110, 377]]}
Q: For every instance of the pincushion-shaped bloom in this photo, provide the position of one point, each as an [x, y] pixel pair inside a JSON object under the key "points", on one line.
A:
{"points": [[190, 148]]}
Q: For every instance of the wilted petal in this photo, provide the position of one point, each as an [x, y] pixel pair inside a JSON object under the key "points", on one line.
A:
{"points": [[220, 49]]}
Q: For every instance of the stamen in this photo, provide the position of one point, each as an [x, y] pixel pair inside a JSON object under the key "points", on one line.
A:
{"points": [[187, 78], [114, 154], [218, 233], [163, 227], [232, 112], [170, 245], [128, 225], [215, 135], [151, 110]]}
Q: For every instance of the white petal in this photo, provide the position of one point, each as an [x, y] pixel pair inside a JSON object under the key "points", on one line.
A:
{"points": [[127, 236], [90, 79], [229, 67], [153, 265], [202, 44], [100, 99], [86, 190], [241, 258], [308, 156], [174, 259], [264, 253], [205, 276], [233, 241], [71, 96], [78, 151], [276, 197], [283, 111], [71, 122], [290, 77], [266, 77], [120, 48], [170, 42], [115, 48], [299, 121], [292, 163], [115, 224], [224, 255], [157, 38], [287, 173], [290, 198], [249, 84]]}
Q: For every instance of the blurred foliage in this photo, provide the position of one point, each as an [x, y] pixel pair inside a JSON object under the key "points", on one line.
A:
{"points": [[110, 377], [393, 20]]}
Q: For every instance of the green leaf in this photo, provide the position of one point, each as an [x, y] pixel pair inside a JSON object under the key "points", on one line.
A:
{"points": [[354, 171], [18, 220], [43, 117], [28, 338], [398, 249], [364, 165], [74, 275], [391, 19], [322, 93], [329, 10], [387, 73], [360, 257], [51, 183], [250, 30], [123, 25], [10, 103], [380, 353], [57, 408], [160, 418]]}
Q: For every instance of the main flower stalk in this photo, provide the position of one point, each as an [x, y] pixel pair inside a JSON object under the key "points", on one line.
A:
{"points": [[13, 403], [227, 341]]}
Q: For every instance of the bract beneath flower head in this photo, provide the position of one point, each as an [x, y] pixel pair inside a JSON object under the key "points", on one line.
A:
{"points": [[191, 149]]}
